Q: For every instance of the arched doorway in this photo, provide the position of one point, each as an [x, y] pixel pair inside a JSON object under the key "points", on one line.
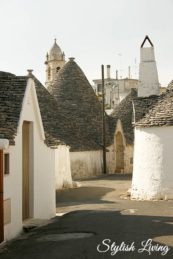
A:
{"points": [[119, 153]]}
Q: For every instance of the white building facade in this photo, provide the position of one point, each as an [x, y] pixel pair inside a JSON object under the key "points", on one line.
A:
{"points": [[29, 168], [116, 89]]}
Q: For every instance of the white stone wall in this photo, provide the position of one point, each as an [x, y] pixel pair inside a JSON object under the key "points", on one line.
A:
{"points": [[42, 174], [128, 159], [148, 75], [153, 163], [128, 149], [86, 164], [111, 159], [62, 168]]}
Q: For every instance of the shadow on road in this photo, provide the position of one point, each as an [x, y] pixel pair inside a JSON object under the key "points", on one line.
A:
{"points": [[118, 228], [44, 242], [110, 177], [83, 195]]}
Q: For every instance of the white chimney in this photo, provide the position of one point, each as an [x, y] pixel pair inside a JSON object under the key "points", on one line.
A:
{"points": [[116, 74], [108, 71], [148, 75], [129, 70]]}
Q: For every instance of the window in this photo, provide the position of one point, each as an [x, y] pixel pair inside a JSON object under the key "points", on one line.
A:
{"points": [[99, 87], [49, 73], [57, 69], [6, 163]]}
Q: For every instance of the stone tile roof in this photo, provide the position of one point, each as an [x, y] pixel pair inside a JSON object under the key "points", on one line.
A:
{"points": [[50, 117], [155, 110], [124, 112], [170, 85], [78, 104], [12, 90]]}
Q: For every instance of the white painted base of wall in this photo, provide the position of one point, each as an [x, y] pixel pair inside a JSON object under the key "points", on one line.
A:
{"points": [[63, 176], [153, 164], [86, 164]]}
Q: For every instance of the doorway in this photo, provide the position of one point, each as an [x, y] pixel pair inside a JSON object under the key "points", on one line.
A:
{"points": [[26, 142], [1, 199], [119, 153]]}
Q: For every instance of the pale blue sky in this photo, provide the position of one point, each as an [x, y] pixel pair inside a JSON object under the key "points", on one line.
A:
{"points": [[95, 32]]}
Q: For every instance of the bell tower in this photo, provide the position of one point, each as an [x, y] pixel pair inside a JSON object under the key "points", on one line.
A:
{"points": [[55, 60], [148, 75]]}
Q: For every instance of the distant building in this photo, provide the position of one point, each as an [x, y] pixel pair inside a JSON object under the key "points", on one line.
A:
{"points": [[115, 89]]}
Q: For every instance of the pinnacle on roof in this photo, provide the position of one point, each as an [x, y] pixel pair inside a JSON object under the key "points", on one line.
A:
{"points": [[55, 52], [147, 39]]}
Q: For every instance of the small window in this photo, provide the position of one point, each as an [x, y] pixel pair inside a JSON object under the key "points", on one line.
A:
{"points": [[57, 69], [49, 73], [6, 163], [99, 87]]}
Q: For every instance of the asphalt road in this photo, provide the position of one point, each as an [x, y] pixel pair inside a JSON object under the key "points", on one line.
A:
{"points": [[98, 220]]}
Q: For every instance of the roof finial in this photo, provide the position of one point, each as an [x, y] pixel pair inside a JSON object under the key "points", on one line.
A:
{"points": [[147, 38], [30, 72], [55, 40], [71, 59]]}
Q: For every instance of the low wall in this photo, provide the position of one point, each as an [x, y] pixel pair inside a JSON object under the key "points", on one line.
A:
{"points": [[86, 164], [63, 178]]}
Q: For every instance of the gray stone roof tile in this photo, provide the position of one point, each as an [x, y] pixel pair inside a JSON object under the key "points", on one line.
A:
{"points": [[12, 90], [154, 111], [78, 104]]}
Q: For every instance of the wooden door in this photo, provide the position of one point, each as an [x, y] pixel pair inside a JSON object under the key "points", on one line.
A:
{"points": [[25, 167], [1, 199]]}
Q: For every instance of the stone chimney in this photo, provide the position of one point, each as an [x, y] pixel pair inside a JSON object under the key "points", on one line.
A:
{"points": [[116, 74], [108, 71], [71, 59], [129, 72], [30, 72], [148, 75]]}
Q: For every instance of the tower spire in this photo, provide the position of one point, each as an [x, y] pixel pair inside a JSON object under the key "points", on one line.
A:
{"points": [[55, 60]]}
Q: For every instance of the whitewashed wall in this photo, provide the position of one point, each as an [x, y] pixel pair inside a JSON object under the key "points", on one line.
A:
{"points": [[62, 168], [128, 153], [128, 159], [42, 182], [153, 163], [86, 164], [111, 159]]}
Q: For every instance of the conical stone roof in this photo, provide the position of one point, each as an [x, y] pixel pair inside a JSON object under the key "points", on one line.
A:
{"points": [[79, 105]]}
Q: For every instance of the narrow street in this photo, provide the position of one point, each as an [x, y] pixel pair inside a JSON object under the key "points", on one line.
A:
{"points": [[97, 210]]}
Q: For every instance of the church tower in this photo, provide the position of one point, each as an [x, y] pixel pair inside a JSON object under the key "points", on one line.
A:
{"points": [[55, 60], [148, 75]]}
